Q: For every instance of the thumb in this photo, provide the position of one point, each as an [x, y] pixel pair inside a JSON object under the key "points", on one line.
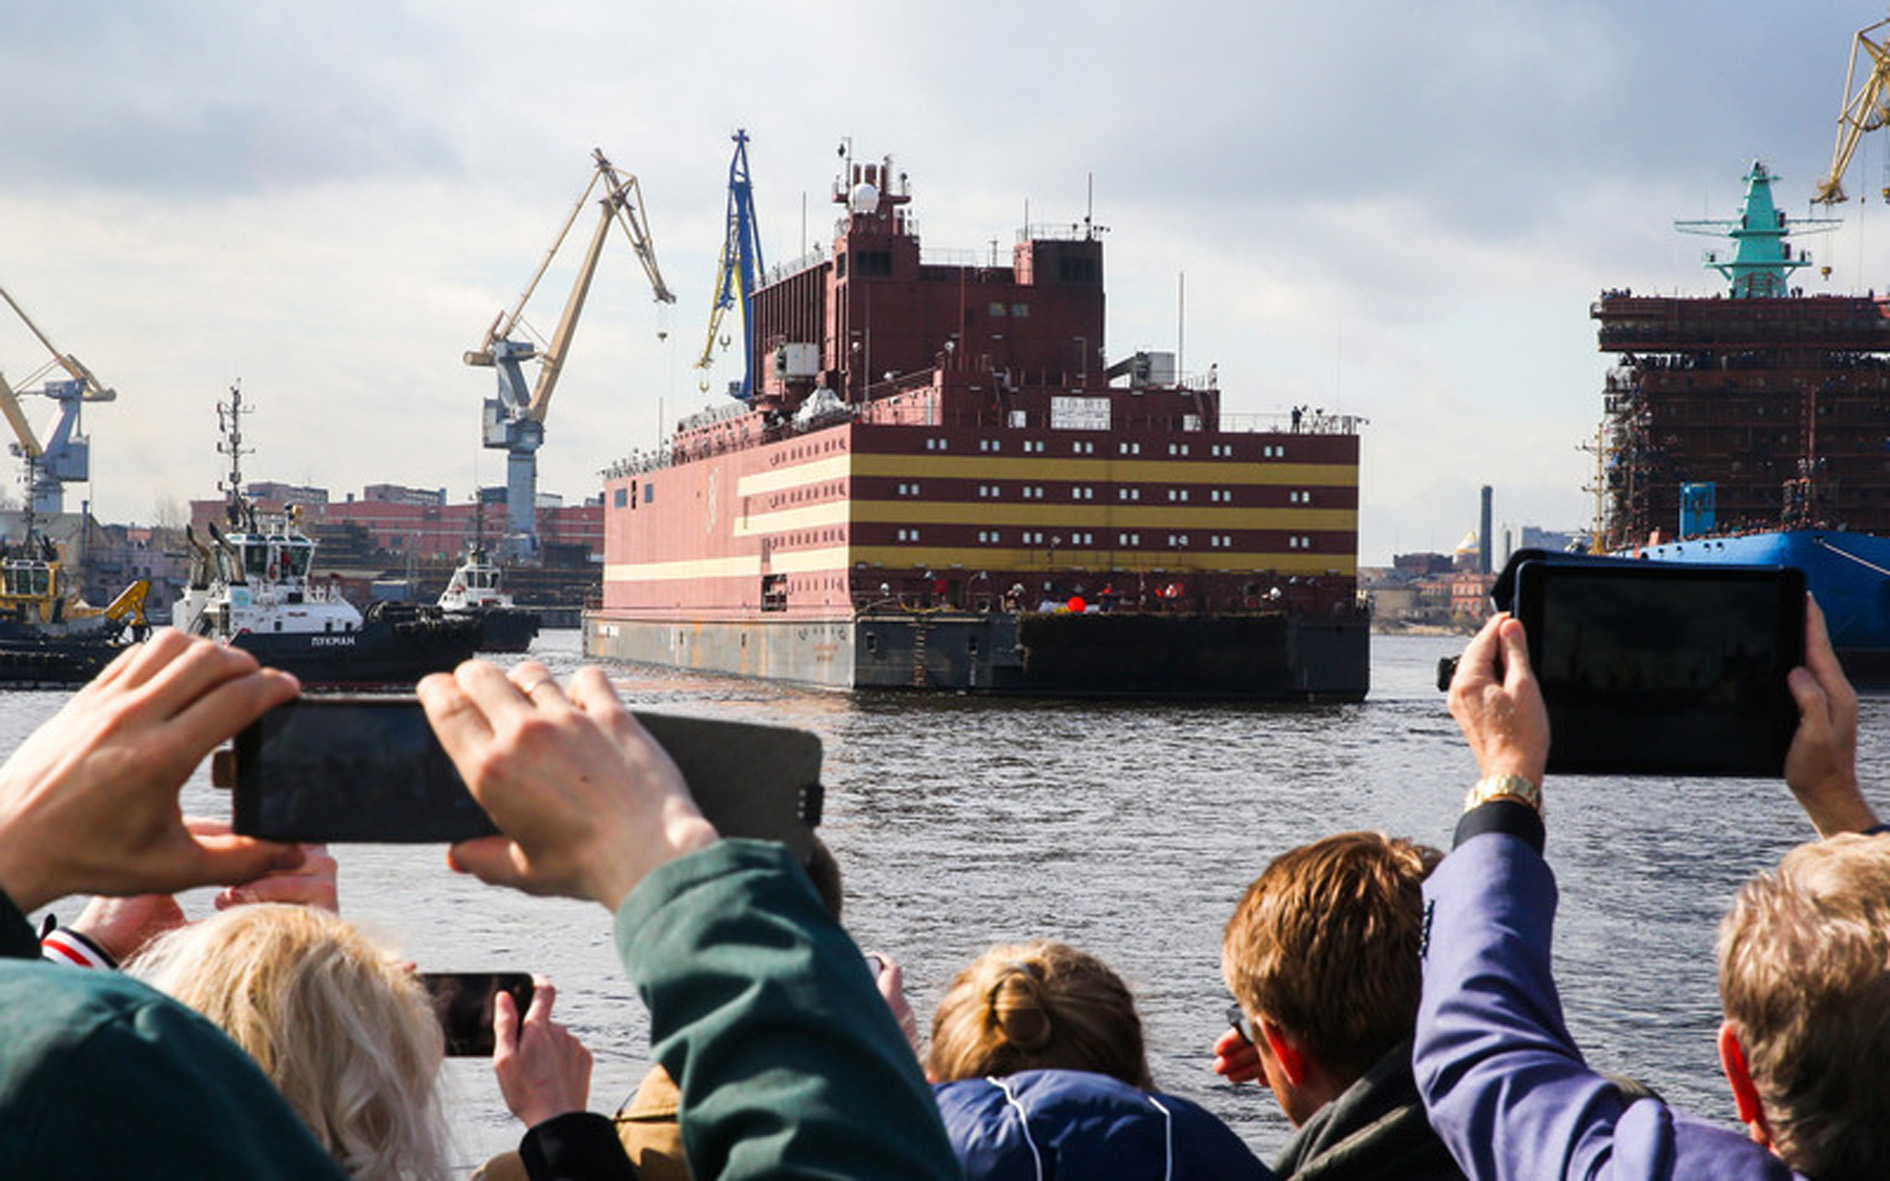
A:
{"points": [[494, 860], [233, 860], [1515, 650], [1807, 692], [504, 1025]]}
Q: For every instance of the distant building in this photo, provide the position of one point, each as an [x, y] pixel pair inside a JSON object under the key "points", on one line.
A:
{"points": [[1421, 565], [280, 493], [1554, 540], [397, 494], [417, 524]]}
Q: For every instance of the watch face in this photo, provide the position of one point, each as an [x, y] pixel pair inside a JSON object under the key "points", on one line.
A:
{"points": [[1512, 786]]}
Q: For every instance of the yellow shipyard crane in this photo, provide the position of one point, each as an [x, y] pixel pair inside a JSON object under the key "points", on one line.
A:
{"points": [[1866, 108]]}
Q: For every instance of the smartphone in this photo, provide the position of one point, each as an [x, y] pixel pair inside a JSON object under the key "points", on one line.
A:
{"points": [[1658, 668], [368, 768], [463, 1003]]}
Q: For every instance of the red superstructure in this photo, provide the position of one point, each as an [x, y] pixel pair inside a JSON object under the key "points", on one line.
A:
{"points": [[943, 443]]}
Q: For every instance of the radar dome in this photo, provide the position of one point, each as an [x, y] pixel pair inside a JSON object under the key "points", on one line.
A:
{"points": [[864, 198]]}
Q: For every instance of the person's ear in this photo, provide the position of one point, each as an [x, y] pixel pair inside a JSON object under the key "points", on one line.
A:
{"points": [[1732, 1060], [1292, 1062]]}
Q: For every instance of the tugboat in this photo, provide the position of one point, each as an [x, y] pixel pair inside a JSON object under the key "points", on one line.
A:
{"points": [[47, 635], [475, 592], [251, 587]]}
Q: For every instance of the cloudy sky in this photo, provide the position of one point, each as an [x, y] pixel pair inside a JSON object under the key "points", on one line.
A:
{"points": [[1400, 211]]}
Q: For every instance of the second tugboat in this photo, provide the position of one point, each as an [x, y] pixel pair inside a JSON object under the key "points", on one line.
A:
{"points": [[251, 587], [476, 592]]}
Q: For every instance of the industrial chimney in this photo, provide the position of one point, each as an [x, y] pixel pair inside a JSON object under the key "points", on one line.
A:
{"points": [[1485, 542]]}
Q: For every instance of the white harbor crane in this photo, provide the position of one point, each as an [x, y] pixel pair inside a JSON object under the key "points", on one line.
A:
{"points": [[515, 420], [65, 457], [1866, 108]]}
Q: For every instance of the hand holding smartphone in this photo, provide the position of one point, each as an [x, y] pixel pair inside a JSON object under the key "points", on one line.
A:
{"points": [[463, 1002], [368, 768]]}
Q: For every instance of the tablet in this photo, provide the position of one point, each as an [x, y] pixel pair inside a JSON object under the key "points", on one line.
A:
{"points": [[1659, 668]]}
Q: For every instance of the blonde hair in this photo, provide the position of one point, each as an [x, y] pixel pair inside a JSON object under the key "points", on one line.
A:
{"points": [[1804, 976], [1037, 1006], [346, 1034], [1324, 945]]}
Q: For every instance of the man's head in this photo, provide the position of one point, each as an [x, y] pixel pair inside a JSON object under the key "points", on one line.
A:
{"points": [[1322, 953], [1804, 976]]}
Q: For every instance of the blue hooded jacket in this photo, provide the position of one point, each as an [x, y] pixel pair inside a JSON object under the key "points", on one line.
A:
{"points": [[1065, 1125]]}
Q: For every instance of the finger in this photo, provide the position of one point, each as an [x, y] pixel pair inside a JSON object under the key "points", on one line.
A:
{"points": [[494, 693], [504, 1025], [592, 692], [458, 720], [193, 672], [1821, 658], [1515, 649], [534, 682], [231, 860], [287, 887], [1479, 657], [167, 640], [225, 707], [207, 826], [494, 860], [544, 994], [1813, 708]]}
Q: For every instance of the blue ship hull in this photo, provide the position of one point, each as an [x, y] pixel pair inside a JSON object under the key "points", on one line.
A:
{"points": [[1848, 573]]}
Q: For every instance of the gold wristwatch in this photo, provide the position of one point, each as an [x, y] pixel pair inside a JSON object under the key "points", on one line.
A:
{"points": [[1504, 787]]}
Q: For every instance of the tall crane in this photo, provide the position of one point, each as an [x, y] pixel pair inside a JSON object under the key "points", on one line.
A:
{"points": [[736, 273], [1866, 108], [515, 420], [65, 456]]}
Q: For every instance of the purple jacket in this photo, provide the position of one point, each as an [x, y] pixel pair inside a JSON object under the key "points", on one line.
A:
{"points": [[1502, 1080]]}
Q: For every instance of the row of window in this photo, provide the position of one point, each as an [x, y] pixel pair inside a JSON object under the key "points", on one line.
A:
{"points": [[1085, 492], [1126, 540], [1088, 447], [813, 492]]}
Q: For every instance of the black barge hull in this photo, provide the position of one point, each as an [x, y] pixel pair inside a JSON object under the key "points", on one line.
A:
{"points": [[52, 664], [1253, 656]]}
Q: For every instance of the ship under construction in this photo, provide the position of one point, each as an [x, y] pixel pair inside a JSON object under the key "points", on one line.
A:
{"points": [[1753, 426]]}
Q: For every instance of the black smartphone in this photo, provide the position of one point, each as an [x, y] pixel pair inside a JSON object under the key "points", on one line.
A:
{"points": [[1656, 668], [368, 768], [463, 1003]]}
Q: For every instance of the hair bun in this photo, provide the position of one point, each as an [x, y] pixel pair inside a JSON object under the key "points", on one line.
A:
{"points": [[1018, 1008]]}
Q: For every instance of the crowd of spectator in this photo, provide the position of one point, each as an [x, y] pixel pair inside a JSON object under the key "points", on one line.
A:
{"points": [[1398, 1003]]}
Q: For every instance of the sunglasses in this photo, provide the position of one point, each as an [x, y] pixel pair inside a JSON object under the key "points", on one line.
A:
{"points": [[1237, 1017]]}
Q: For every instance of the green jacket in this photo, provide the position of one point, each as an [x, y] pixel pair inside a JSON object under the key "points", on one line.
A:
{"points": [[763, 1010], [101, 1077]]}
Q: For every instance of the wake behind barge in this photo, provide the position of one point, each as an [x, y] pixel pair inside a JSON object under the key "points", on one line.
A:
{"points": [[937, 481]]}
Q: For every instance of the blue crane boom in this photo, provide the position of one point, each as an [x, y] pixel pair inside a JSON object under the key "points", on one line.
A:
{"points": [[738, 269]]}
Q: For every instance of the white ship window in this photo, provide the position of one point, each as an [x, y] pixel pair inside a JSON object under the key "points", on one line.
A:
{"points": [[1019, 419]]}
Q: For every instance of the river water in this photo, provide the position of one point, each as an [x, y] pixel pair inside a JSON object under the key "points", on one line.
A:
{"points": [[1129, 831]]}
